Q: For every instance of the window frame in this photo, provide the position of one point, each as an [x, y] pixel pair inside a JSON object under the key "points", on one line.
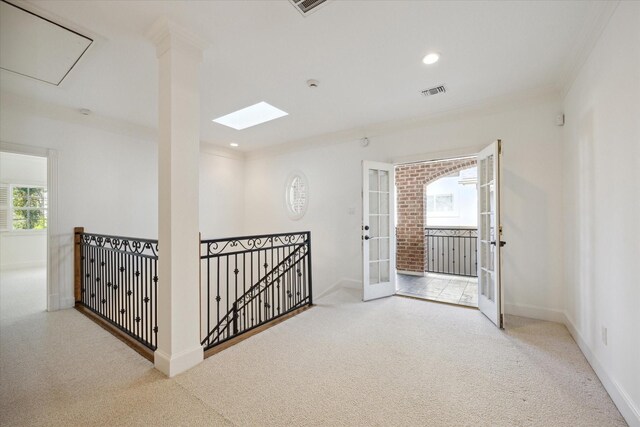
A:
{"points": [[293, 176], [440, 213], [11, 210]]}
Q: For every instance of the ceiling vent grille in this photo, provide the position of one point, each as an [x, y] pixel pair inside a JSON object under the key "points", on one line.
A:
{"points": [[306, 6], [434, 90]]}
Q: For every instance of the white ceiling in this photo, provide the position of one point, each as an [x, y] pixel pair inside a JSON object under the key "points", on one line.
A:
{"points": [[366, 55], [37, 48]]}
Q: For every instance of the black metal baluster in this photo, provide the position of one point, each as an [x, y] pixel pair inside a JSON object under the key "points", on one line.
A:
{"points": [[138, 296], [155, 301], [94, 275], [145, 290], [131, 308], [250, 287], [108, 285], [272, 303], [310, 270], [226, 308], [208, 291], [244, 288], [218, 291]]}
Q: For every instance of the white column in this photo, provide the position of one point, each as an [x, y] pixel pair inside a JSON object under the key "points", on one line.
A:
{"points": [[179, 56]]}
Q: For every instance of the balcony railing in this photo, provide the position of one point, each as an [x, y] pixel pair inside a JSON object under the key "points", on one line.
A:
{"points": [[250, 281], [246, 284], [116, 280], [452, 250]]}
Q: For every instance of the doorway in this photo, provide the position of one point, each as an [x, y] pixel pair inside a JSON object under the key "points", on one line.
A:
{"points": [[436, 229], [381, 190], [24, 207]]}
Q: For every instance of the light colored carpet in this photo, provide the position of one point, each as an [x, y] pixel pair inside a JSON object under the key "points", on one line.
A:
{"points": [[395, 361]]}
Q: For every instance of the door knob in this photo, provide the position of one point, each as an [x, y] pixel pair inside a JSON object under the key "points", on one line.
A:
{"points": [[366, 227], [502, 243], [366, 237]]}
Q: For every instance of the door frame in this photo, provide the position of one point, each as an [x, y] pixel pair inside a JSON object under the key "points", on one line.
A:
{"points": [[444, 155], [55, 300]]}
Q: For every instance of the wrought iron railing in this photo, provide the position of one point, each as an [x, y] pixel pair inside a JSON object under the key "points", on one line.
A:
{"points": [[452, 250], [250, 281], [118, 282]]}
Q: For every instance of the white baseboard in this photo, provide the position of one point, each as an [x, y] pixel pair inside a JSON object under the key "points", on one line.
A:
{"points": [[342, 283], [69, 302], [411, 273], [620, 397], [172, 365], [24, 265], [534, 312]]}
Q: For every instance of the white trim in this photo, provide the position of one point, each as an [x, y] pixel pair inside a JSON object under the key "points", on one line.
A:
{"points": [[53, 239], [54, 298], [24, 265], [535, 312], [172, 365], [341, 283], [619, 396], [65, 302], [355, 135], [586, 41], [216, 150], [31, 232], [464, 153]]}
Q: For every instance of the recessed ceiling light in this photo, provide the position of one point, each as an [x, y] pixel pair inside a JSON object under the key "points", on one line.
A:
{"points": [[233, 144], [251, 116], [431, 58]]}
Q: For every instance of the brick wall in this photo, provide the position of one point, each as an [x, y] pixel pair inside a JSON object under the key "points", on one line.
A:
{"points": [[410, 186]]}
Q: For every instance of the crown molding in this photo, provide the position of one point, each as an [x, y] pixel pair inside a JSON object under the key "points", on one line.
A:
{"points": [[586, 39], [33, 107], [166, 34], [478, 108], [216, 150]]}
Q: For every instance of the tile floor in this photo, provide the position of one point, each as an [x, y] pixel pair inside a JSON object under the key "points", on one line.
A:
{"points": [[440, 287]]}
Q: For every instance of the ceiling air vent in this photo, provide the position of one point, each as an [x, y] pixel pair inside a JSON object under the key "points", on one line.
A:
{"points": [[434, 91], [306, 6]]}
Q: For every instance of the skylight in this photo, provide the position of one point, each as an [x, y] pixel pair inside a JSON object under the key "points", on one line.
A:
{"points": [[253, 115]]}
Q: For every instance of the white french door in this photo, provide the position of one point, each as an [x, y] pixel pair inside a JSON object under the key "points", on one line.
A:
{"points": [[378, 236], [490, 300]]}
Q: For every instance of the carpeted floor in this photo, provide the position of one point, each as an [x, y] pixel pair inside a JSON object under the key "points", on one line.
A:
{"points": [[395, 361]]}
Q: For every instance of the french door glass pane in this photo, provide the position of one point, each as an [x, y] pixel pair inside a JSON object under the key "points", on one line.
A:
{"points": [[373, 180], [384, 271], [373, 273], [384, 203], [490, 168], [373, 203], [373, 250], [384, 249], [384, 226], [384, 181], [374, 228]]}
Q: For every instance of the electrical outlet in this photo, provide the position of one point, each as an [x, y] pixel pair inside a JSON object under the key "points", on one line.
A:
{"points": [[604, 335]]}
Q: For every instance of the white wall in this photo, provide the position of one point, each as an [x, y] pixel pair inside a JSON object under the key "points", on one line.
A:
{"points": [[25, 248], [221, 195], [107, 178], [106, 181], [601, 157], [531, 195]]}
